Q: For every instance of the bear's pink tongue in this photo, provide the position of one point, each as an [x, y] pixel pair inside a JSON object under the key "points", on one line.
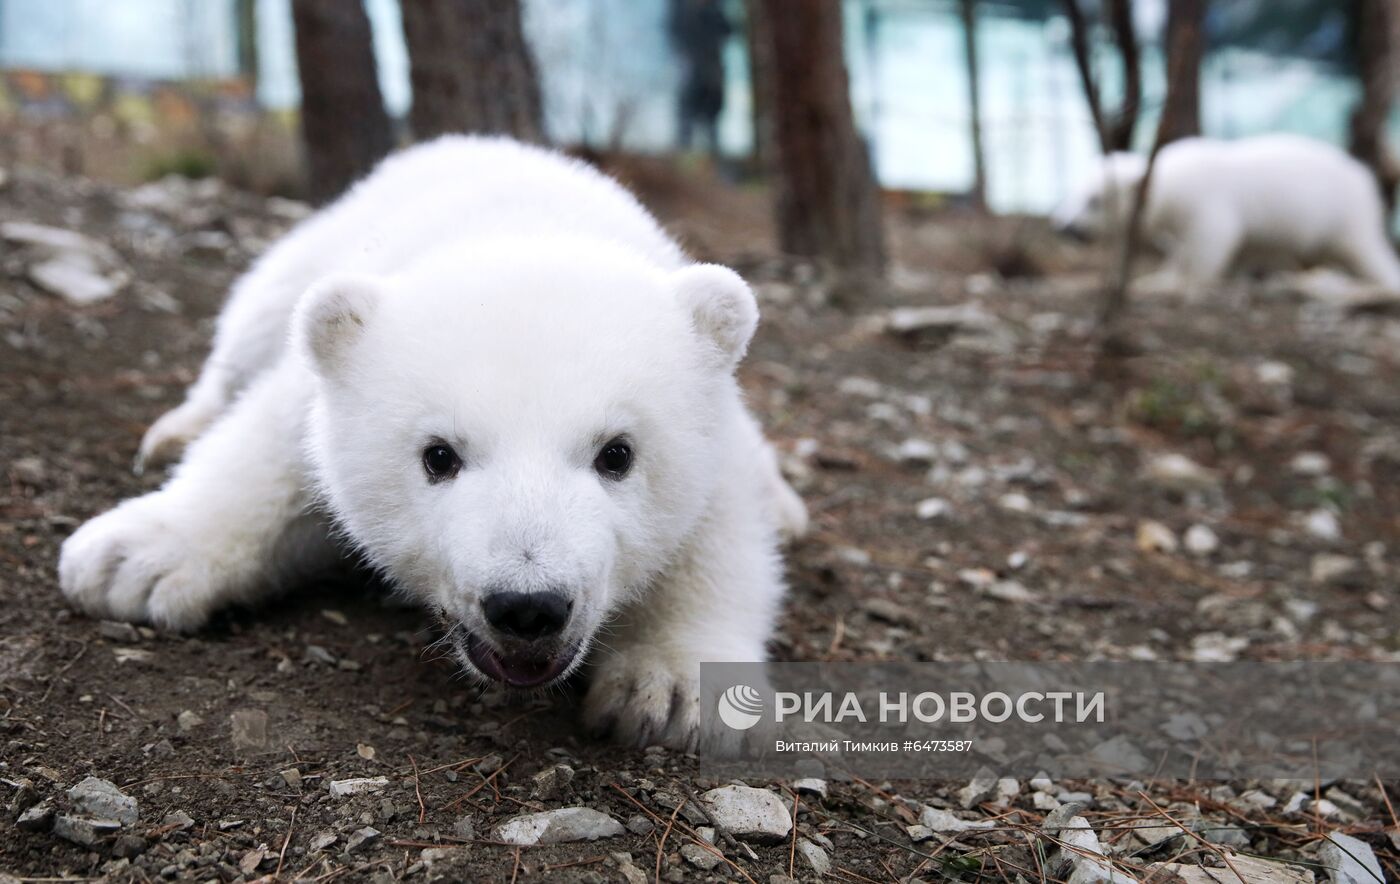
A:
{"points": [[522, 670]]}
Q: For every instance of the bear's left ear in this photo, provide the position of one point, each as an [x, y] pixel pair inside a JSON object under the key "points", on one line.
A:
{"points": [[332, 316], [722, 307]]}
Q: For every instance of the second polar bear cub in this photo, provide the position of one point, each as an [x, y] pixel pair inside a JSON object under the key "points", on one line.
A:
{"points": [[489, 369], [1271, 196]]}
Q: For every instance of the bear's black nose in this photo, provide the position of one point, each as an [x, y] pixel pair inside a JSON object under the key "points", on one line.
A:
{"points": [[527, 615]]}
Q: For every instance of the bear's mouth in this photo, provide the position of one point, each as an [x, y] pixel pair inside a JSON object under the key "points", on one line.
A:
{"points": [[528, 668]]}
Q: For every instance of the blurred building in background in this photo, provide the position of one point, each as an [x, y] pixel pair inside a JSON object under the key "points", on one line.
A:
{"points": [[611, 77]]}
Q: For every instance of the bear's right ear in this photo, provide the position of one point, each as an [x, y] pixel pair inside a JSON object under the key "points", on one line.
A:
{"points": [[722, 308], [332, 316]]}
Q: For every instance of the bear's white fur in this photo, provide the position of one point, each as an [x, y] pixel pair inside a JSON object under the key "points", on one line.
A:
{"points": [[526, 311], [1272, 196]]}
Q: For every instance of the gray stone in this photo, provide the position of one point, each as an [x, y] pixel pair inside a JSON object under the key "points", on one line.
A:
{"points": [[102, 799], [249, 729], [814, 856], [552, 782], [753, 814], [118, 631], [357, 786], [1177, 472], [178, 821], [464, 828], [188, 720], [943, 822], [360, 837], [700, 857], [977, 791], [37, 818], [558, 827], [84, 831], [1242, 870], [73, 281], [1349, 860], [1200, 540], [810, 786], [1079, 848]]}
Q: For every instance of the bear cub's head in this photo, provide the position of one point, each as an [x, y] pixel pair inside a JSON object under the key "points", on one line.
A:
{"points": [[1105, 203], [524, 440]]}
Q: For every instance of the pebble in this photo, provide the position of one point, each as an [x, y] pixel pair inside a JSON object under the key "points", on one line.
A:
{"points": [[931, 508], [188, 720], [558, 827], [888, 611], [1310, 463], [976, 791], [1007, 788], [357, 786], [815, 857], [361, 837], [1044, 801], [74, 281], [917, 452], [700, 857], [1010, 591], [1200, 540], [37, 818], [102, 799], [943, 822], [1323, 524], [249, 728], [1015, 502], [749, 813], [1080, 849], [1332, 568], [551, 782], [1177, 472], [810, 786], [118, 631], [1154, 537], [178, 821]]}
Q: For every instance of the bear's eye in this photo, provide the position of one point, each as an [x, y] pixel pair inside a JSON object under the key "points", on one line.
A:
{"points": [[440, 462], [614, 459]]}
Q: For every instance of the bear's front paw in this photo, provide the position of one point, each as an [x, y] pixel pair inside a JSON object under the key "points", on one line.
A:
{"points": [[646, 697], [144, 562]]}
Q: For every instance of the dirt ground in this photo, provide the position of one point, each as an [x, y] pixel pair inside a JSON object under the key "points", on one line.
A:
{"points": [[1033, 525]]}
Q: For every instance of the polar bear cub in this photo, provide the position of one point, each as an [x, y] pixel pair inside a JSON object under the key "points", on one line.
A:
{"points": [[1274, 195], [487, 371]]}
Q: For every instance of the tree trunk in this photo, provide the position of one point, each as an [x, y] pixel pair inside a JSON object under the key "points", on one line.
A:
{"points": [[1181, 111], [1124, 121], [827, 203], [760, 74], [471, 69], [1374, 24], [974, 94], [1079, 48], [343, 122], [1115, 130], [247, 13]]}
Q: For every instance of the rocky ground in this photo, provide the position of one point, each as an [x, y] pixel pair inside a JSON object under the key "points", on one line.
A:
{"points": [[980, 490]]}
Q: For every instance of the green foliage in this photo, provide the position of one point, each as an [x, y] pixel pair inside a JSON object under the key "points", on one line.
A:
{"points": [[185, 162]]}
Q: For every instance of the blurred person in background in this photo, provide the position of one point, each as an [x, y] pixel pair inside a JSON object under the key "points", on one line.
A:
{"points": [[698, 31]]}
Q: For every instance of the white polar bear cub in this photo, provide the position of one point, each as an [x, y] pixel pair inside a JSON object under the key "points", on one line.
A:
{"points": [[1272, 195], [511, 392]]}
